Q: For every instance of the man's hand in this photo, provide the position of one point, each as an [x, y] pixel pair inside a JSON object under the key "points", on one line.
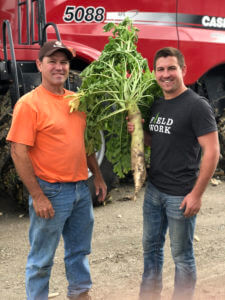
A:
{"points": [[130, 127], [100, 186], [147, 136], [192, 205], [100, 189], [210, 149], [43, 207]]}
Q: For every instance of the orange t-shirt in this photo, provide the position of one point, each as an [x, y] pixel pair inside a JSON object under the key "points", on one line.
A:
{"points": [[42, 121]]}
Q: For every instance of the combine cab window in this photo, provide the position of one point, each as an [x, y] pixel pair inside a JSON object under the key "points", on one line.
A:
{"points": [[31, 21], [23, 22]]}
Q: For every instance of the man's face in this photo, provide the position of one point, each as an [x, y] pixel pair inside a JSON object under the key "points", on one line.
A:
{"points": [[169, 76], [54, 69]]}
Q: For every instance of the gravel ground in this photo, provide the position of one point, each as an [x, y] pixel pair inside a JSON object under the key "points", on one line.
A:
{"points": [[116, 259]]}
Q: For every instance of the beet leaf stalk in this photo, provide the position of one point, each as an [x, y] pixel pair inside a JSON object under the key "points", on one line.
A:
{"points": [[118, 84]]}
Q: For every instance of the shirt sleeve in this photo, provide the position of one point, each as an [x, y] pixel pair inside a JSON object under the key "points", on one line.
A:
{"points": [[24, 124], [203, 119]]}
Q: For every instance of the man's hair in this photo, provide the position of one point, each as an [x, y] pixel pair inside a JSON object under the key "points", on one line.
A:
{"points": [[169, 51]]}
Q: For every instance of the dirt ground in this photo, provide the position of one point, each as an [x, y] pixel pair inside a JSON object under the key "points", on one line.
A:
{"points": [[116, 259]]}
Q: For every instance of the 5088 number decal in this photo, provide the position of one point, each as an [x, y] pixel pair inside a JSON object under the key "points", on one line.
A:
{"points": [[79, 14]]}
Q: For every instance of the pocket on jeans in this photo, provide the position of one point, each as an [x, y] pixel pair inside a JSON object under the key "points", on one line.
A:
{"points": [[50, 189], [85, 182]]}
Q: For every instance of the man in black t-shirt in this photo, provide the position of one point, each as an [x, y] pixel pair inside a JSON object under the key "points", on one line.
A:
{"points": [[182, 131]]}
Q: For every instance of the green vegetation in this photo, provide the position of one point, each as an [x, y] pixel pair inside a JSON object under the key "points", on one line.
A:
{"points": [[117, 85]]}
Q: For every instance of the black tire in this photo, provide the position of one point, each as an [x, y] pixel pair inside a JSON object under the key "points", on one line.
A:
{"points": [[74, 80], [10, 184], [212, 86], [221, 131]]}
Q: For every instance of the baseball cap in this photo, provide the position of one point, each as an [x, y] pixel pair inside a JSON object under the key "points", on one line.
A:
{"points": [[51, 47]]}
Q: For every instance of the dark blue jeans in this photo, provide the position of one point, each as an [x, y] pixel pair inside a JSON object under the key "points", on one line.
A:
{"points": [[74, 221], [161, 211]]}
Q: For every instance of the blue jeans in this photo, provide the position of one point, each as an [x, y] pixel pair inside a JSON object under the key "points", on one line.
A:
{"points": [[161, 211], [74, 220]]}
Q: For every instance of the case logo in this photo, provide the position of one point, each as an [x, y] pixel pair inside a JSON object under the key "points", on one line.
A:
{"points": [[213, 22]]}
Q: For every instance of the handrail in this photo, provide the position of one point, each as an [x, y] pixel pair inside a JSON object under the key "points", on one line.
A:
{"points": [[7, 27], [44, 33]]}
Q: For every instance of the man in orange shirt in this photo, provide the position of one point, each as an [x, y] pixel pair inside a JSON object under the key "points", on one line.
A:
{"points": [[48, 150]]}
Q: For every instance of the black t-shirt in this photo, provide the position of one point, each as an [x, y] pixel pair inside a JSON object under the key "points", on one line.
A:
{"points": [[174, 126]]}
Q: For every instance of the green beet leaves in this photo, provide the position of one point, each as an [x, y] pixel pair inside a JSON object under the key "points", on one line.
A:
{"points": [[111, 84]]}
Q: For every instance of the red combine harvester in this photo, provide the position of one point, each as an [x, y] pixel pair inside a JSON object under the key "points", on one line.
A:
{"points": [[197, 28]]}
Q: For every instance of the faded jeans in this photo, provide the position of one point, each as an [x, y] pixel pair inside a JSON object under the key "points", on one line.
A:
{"points": [[74, 221], [161, 211]]}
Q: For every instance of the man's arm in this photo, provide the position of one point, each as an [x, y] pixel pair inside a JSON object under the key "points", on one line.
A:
{"points": [[22, 162], [100, 186], [211, 151]]}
